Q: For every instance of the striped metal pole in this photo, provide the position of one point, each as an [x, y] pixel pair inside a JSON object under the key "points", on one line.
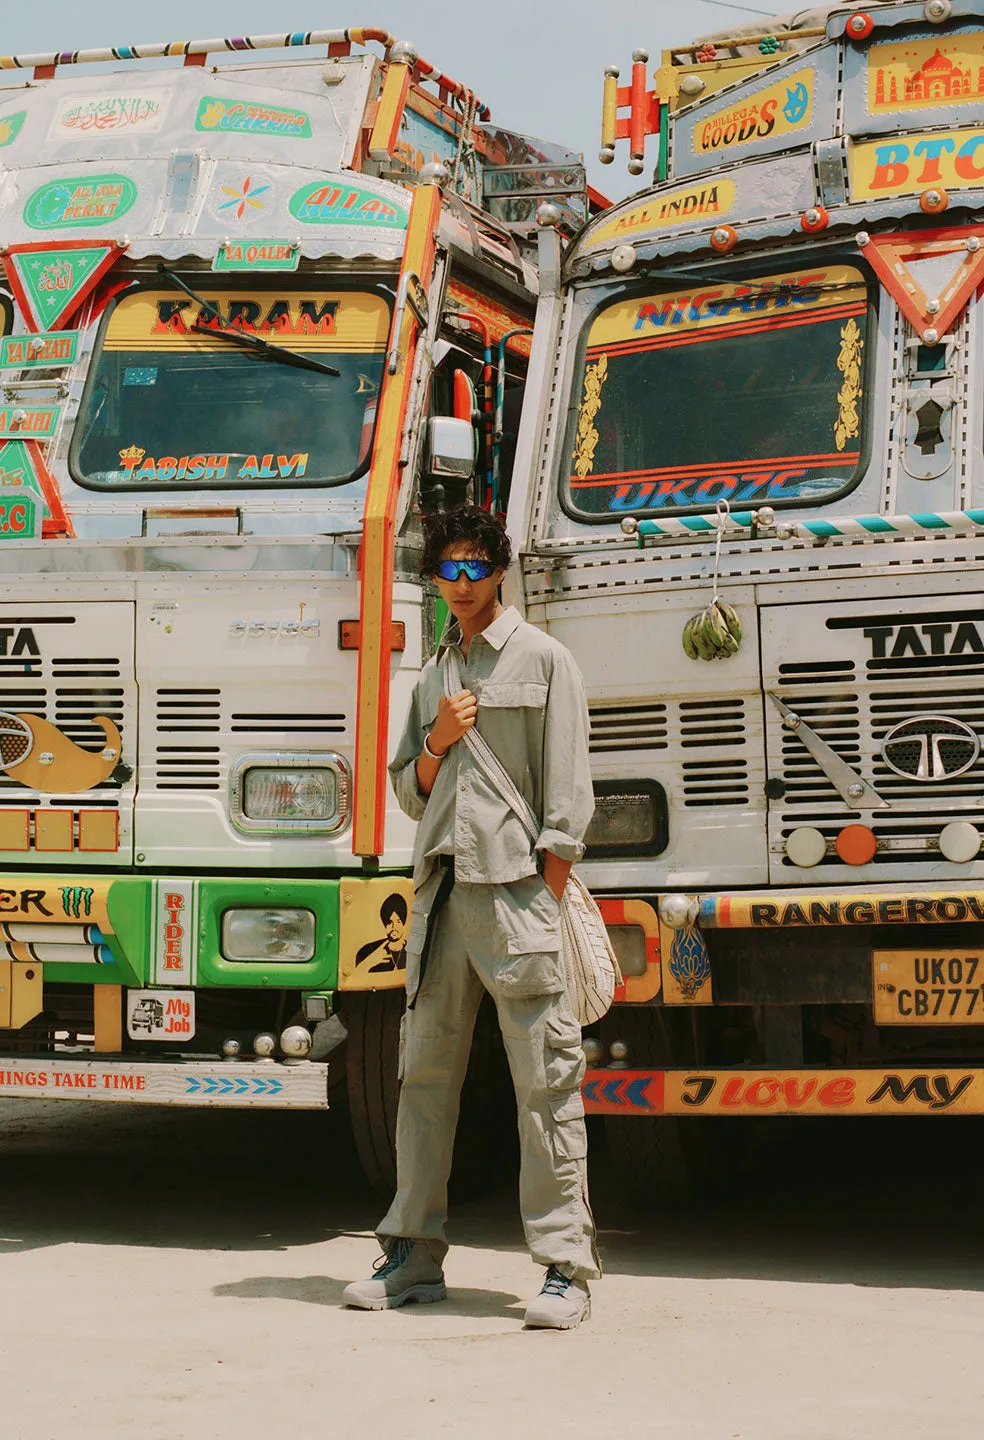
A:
{"points": [[846, 525]]}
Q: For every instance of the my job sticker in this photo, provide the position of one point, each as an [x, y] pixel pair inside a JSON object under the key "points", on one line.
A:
{"points": [[160, 1014]]}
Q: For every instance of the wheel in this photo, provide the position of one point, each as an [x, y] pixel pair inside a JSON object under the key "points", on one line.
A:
{"points": [[668, 1159], [486, 1144], [372, 1053]]}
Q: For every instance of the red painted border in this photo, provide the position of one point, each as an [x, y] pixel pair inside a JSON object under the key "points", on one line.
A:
{"points": [[113, 252]]}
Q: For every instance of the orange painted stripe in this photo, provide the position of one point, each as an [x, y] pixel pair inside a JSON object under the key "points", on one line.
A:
{"points": [[722, 331], [724, 470], [376, 600]]}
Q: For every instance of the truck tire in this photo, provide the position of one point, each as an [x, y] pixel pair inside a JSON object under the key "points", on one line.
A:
{"points": [[664, 1160], [486, 1146], [371, 1073]]}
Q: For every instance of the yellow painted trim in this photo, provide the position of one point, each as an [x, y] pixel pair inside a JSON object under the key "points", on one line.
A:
{"points": [[609, 110], [372, 715], [56, 900], [21, 993], [392, 102], [107, 1012]]}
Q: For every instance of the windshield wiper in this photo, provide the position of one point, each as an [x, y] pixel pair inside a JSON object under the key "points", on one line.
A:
{"points": [[229, 332]]}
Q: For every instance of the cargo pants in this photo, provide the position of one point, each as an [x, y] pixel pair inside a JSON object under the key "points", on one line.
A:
{"points": [[481, 941]]}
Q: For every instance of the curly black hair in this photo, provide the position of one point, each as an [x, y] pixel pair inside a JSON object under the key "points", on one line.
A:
{"points": [[466, 525]]}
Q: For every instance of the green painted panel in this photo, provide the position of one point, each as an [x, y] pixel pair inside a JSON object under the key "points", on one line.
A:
{"points": [[218, 895], [129, 904]]}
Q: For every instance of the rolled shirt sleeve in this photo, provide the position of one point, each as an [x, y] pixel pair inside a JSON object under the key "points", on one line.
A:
{"points": [[568, 797], [403, 767]]}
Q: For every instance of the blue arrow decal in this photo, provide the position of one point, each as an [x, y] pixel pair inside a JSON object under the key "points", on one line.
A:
{"points": [[635, 1092], [610, 1092], [591, 1090]]}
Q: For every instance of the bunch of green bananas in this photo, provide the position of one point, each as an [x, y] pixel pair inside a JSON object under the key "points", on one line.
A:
{"points": [[714, 634]]}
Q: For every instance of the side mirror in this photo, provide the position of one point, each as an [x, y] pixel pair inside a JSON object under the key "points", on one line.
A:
{"points": [[450, 448]]}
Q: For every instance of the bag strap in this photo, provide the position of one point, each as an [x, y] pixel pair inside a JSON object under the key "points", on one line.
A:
{"points": [[486, 758]]}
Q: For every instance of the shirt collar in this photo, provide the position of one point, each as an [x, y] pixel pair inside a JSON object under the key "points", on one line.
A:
{"points": [[495, 634]]}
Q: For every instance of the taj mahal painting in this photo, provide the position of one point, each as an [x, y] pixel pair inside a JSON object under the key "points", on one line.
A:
{"points": [[939, 80]]}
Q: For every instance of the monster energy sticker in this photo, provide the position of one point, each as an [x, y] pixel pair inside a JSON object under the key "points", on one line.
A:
{"points": [[77, 901], [215, 114]]}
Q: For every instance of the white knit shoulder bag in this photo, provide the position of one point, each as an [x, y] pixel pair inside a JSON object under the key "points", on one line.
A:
{"points": [[590, 965]]}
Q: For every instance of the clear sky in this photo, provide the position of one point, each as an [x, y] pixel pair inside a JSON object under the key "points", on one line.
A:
{"points": [[537, 63]]}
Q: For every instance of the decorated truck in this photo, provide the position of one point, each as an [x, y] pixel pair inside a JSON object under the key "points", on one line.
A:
{"points": [[750, 498], [260, 307]]}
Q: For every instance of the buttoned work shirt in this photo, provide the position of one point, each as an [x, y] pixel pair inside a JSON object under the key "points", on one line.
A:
{"points": [[532, 712]]}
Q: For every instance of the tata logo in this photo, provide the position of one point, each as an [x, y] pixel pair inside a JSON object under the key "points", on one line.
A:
{"points": [[931, 749], [21, 641], [937, 637]]}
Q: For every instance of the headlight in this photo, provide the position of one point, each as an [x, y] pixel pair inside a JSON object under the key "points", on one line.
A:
{"points": [[268, 934], [289, 794], [273, 794], [630, 818]]}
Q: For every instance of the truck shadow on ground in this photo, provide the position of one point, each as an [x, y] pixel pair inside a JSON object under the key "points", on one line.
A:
{"points": [[879, 1203]]}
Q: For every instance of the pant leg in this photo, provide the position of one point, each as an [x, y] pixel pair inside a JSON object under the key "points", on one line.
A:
{"points": [[546, 1060], [435, 1043]]}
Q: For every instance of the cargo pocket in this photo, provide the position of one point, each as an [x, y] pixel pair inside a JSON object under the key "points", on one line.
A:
{"points": [[524, 977], [570, 1138], [528, 915], [564, 1073]]}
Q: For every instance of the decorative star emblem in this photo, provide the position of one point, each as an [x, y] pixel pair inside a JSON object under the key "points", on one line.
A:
{"points": [[243, 198]]}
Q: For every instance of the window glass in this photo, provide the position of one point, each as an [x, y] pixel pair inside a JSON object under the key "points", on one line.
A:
{"points": [[172, 404], [748, 391]]}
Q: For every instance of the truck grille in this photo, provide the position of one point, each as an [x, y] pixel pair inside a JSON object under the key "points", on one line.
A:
{"points": [[198, 729], [854, 723], [705, 740]]}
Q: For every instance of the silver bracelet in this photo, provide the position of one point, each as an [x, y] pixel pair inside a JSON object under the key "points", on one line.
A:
{"points": [[429, 751]]}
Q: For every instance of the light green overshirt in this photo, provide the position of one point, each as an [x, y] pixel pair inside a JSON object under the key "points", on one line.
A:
{"points": [[532, 712]]}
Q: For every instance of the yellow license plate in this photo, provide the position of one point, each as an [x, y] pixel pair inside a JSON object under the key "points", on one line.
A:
{"points": [[928, 987]]}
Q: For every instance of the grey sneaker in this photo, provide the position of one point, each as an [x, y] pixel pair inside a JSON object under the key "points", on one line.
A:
{"points": [[407, 1272], [561, 1305]]}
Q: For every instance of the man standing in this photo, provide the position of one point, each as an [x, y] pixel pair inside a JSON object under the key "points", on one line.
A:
{"points": [[486, 916]]}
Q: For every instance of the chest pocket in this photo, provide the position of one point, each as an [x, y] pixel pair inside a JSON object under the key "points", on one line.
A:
{"points": [[513, 695]]}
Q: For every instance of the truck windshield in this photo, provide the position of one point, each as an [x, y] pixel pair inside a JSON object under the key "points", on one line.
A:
{"points": [[171, 404], [748, 392]]}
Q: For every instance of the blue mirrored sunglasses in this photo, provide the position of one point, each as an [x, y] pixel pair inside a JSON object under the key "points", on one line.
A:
{"points": [[471, 569]]}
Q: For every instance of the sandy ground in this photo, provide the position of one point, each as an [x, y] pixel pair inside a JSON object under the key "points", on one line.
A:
{"points": [[170, 1276]]}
